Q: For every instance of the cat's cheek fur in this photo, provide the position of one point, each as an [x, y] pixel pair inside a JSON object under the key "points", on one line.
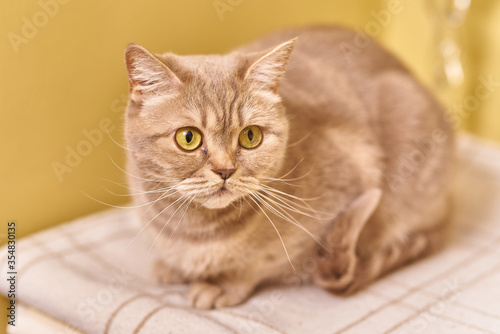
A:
{"points": [[167, 159], [267, 159]]}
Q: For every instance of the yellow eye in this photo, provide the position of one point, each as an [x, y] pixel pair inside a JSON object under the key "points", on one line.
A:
{"points": [[188, 138], [250, 137]]}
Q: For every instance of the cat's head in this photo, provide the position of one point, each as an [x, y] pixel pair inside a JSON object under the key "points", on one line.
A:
{"points": [[212, 127]]}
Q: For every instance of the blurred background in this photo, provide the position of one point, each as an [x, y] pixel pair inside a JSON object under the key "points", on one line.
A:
{"points": [[63, 85]]}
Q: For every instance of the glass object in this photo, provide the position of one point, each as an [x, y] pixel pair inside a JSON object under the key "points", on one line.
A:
{"points": [[448, 17]]}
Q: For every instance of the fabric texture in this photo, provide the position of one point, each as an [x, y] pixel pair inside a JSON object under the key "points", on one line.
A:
{"points": [[92, 275]]}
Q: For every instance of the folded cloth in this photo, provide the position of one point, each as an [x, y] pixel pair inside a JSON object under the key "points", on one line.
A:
{"points": [[34, 321], [93, 274]]}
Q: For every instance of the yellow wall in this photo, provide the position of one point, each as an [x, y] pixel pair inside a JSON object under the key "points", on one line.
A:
{"points": [[67, 76]]}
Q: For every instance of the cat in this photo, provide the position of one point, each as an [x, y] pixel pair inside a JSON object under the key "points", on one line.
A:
{"points": [[283, 152]]}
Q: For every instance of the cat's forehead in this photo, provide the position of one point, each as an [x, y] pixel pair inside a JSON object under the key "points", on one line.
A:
{"points": [[215, 97], [214, 90], [218, 107], [212, 66], [212, 78]]}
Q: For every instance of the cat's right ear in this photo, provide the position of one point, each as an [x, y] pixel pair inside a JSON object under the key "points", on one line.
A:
{"points": [[148, 76], [265, 72]]}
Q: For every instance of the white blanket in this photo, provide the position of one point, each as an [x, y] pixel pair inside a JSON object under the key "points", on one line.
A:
{"points": [[88, 276]]}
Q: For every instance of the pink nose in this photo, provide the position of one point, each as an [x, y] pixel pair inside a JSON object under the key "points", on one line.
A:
{"points": [[224, 173]]}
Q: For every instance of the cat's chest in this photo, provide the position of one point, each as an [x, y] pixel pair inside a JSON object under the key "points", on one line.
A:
{"points": [[207, 257]]}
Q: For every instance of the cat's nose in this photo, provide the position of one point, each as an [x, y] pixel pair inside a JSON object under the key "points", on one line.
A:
{"points": [[224, 173]]}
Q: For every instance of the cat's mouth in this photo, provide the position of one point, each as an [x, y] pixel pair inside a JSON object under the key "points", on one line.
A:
{"points": [[220, 198], [222, 191]]}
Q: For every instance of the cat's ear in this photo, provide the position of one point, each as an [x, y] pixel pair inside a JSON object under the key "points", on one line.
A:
{"points": [[266, 71], [148, 76]]}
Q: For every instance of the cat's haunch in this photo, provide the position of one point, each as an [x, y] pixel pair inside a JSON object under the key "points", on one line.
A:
{"points": [[282, 153]]}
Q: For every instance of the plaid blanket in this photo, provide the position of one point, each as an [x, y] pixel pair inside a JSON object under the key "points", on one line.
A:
{"points": [[90, 277]]}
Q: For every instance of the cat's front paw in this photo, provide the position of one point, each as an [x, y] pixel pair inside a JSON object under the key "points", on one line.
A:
{"points": [[161, 273], [204, 295]]}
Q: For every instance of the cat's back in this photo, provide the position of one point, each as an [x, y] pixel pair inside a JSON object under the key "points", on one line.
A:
{"points": [[337, 46], [330, 70]]}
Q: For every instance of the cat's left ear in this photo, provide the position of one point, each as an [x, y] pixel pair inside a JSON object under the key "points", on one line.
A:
{"points": [[266, 71], [148, 76]]}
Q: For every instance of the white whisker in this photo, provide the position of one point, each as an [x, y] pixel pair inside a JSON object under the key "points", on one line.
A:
{"points": [[156, 191], [291, 170], [115, 206], [276, 229], [184, 213], [309, 211], [162, 196], [241, 209], [289, 180], [135, 176], [146, 225], [155, 187], [283, 204], [282, 213], [301, 140], [114, 141], [119, 184], [303, 200], [168, 221]]}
